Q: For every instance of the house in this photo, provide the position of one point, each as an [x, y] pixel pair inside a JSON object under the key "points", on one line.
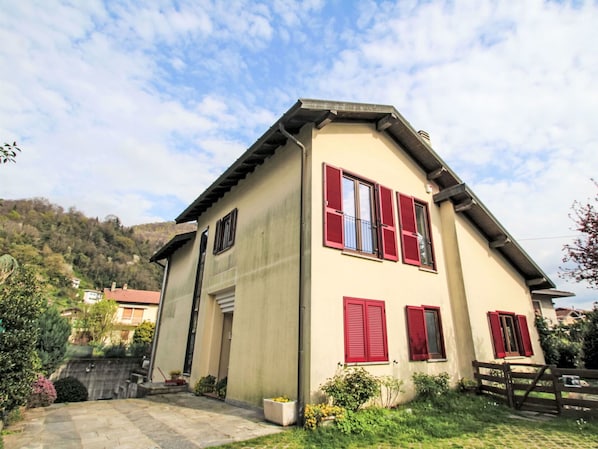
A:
{"points": [[568, 316], [92, 296], [542, 301], [339, 238], [134, 307]]}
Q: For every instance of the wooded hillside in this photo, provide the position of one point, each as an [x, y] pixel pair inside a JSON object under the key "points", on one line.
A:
{"points": [[62, 245]]}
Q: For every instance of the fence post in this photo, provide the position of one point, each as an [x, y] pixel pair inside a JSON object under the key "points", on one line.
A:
{"points": [[476, 375], [506, 368], [557, 391]]}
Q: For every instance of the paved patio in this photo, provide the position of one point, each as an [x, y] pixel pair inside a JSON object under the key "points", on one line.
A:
{"points": [[173, 421]]}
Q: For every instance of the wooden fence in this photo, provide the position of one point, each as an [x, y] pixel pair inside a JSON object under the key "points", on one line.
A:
{"points": [[543, 388]]}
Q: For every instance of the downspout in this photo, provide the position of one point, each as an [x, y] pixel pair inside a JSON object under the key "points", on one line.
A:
{"points": [[301, 311], [150, 369]]}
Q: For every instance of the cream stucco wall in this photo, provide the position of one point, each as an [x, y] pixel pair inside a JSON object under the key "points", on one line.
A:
{"points": [[262, 270], [492, 284], [176, 310], [362, 150], [547, 310]]}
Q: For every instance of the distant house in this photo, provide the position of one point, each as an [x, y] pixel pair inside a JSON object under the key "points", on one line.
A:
{"points": [[569, 316], [92, 296], [134, 307], [544, 305], [340, 237]]}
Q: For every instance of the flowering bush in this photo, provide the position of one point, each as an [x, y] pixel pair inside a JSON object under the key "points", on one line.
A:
{"points": [[42, 394], [313, 414]]}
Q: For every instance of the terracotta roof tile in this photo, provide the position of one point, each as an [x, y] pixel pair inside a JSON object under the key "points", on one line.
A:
{"points": [[132, 296]]}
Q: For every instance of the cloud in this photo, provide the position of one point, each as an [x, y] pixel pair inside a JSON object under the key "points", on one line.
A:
{"points": [[128, 109]]}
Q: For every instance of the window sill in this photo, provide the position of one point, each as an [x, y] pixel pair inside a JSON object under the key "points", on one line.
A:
{"points": [[367, 363], [436, 360], [428, 270], [515, 357], [361, 256]]}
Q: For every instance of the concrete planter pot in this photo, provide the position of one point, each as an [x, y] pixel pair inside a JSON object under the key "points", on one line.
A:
{"points": [[281, 413]]}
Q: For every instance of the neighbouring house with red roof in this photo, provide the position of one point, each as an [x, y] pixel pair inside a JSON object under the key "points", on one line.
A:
{"points": [[568, 316], [134, 307]]}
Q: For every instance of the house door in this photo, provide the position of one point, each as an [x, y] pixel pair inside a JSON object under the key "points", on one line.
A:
{"points": [[227, 334]]}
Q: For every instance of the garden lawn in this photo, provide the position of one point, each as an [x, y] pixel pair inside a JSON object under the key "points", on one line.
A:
{"points": [[454, 421]]}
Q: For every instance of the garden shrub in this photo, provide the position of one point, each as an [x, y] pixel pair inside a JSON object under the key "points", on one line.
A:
{"points": [[205, 384], [220, 387], [429, 386], [54, 332], [350, 388], [390, 388], [42, 394], [20, 306], [115, 351], [313, 414], [70, 389]]}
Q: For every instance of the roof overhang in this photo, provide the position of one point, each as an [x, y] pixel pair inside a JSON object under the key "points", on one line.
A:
{"points": [[388, 120], [552, 293], [466, 203], [321, 113], [169, 248]]}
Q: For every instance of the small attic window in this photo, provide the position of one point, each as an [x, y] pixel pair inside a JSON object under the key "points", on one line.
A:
{"points": [[225, 232]]}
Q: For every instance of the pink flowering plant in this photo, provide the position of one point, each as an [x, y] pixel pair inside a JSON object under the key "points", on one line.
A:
{"points": [[43, 393]]}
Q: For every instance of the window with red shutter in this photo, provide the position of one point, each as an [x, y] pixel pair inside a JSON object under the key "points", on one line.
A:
{"points": [[424, 327], [359, 215], [510, 334], [416, 236], [365, 330]]}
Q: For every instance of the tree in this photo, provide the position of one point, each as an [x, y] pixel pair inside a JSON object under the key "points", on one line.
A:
{"points": [[144, 333], [20, 307], [583, 252], [98, 320], [8, 152], [590, 341], [142, 339], [54, 332]]}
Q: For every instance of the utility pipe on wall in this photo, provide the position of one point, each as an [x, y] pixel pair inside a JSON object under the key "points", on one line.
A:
{"points": [[301, 311]]}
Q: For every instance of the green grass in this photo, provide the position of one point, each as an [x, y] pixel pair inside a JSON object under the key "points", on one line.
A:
{"points": [[457, 421]]}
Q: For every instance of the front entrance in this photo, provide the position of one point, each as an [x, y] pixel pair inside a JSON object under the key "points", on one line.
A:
{"points": [[227, 335]]}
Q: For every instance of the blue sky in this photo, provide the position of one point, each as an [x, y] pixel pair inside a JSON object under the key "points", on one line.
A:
{"points": [[134, 108]]}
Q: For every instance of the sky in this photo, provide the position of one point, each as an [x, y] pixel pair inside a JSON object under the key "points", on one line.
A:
{"points": [[133, 108]]}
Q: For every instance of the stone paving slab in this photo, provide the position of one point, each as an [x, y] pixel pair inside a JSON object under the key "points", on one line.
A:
{"points": [[173, 421]]}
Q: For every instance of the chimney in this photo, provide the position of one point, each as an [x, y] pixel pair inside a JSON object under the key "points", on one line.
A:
{"points": [[113, 287], [424, 135], [125, 286]]}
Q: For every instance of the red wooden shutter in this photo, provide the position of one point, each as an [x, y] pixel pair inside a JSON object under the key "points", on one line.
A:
{"points": [[355, 332], [376, 331], [499, 345], [333, 207], [388, 233], [409, 242], [526, 340], [418, 341]]}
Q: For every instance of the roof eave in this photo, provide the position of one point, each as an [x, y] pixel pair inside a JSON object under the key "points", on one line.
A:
{"points": [[467, 203]]}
